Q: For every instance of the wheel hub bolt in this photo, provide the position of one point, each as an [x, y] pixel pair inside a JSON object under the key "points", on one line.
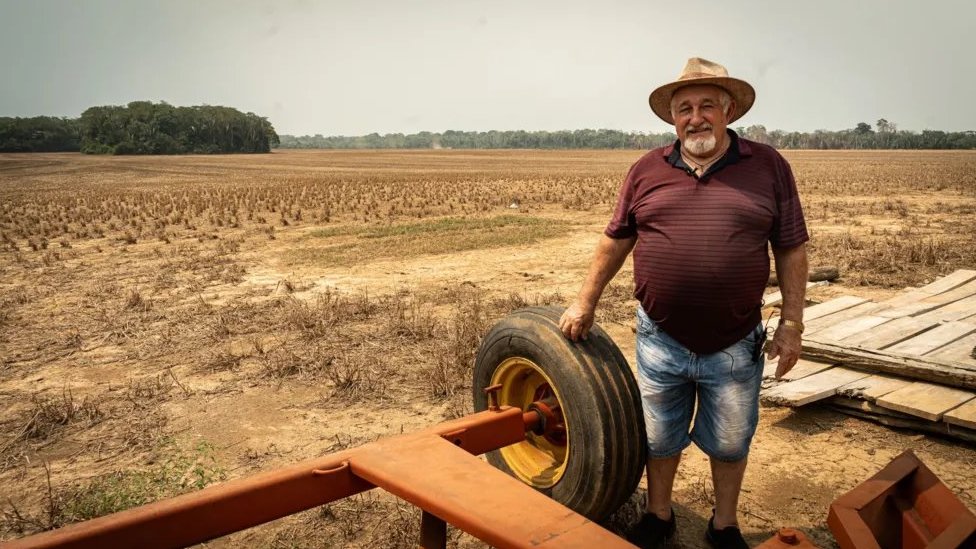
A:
{"points": [[787, 536]]}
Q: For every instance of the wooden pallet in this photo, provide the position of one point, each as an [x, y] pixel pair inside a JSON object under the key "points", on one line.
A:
{"points": [[910, 355]]}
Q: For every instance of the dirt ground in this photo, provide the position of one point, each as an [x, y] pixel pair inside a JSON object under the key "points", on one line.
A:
{"points": [[171, 323]]}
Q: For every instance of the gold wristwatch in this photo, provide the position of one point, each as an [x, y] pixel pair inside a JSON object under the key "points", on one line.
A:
{"points": [[792, 324]]}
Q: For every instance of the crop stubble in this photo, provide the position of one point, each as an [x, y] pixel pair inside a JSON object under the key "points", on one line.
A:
{"points": [[134, 323]]}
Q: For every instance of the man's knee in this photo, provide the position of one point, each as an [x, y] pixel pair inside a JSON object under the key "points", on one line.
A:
{"points": [[728, 453], [725, 445]]}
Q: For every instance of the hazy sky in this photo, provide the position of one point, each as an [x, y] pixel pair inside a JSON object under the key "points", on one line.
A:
{"points": [[353, 68]]}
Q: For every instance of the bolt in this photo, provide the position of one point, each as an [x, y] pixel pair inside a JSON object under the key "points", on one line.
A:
{"points": [[788, 536], [492, 393]]}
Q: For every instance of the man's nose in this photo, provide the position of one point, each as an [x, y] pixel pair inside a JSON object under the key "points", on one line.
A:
{"points": [[696, 117]]}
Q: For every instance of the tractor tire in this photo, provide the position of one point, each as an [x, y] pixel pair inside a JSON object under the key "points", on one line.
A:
{"points": [[595, 466]]}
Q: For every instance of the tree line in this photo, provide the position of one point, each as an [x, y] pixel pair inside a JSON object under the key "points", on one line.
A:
{"points": [[518, 139], [884, 135], [142, 127], [39, 134]]}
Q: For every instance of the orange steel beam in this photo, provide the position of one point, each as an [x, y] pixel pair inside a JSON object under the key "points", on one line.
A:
{"points": [[903, 505], [238, 504], [474, 496]]}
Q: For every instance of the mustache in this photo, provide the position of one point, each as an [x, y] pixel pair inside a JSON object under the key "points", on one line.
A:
{"points": [[705, 126]]}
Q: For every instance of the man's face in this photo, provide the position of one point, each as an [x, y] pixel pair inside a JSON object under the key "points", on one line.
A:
{"points": [[699, 118]]}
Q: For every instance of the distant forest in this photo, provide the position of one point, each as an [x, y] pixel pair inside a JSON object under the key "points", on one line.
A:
{"points": [[883, 135], [142, 127]]}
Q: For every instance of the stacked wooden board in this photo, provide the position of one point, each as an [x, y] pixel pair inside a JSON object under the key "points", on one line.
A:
{"points": [[905, 362]]}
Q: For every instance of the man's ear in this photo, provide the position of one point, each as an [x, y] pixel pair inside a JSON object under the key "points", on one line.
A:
{"points": [[731, 111]]}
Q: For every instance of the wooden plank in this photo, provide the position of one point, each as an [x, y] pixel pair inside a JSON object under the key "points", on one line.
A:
{"points": [[873, 386], [929, 303], [872, 408], [949, 282], [849, 327], [800, 370], [909, 309], [925, 400], [829, 307], [957, 310], [897, 420], [966, 290], [959, 350], [933, 339], [944, 284], [803, 368], [955, 374], [889, 333], [833, 319], [776, 297], [964, 416], [812, 388], [905, 298]]}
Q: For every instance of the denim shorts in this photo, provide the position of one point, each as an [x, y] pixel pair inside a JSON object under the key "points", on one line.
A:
{"points": [[725, 384]]}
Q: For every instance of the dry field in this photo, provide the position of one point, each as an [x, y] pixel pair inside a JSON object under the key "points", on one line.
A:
{"points": [[166, 323]]}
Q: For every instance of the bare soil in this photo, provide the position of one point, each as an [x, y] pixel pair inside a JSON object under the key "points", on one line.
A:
{"points": [[189, 313]]}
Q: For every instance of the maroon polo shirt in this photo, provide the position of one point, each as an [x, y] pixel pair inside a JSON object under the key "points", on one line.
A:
{"points": [[701, 261]]}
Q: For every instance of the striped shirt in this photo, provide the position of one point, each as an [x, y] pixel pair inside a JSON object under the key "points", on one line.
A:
{"points": [[701, 260]]}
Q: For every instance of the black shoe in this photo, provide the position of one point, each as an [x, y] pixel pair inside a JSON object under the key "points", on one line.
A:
{"points": [[650, 532], [727, 538]]}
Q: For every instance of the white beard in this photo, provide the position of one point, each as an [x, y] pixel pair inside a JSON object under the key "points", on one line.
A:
{"points": [[701, 146]]}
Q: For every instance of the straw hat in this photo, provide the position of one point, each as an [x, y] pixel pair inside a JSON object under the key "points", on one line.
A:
{"points": [[703, 71]]}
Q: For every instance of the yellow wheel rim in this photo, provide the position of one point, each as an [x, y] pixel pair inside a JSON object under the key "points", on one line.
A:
{"points": [[538, 461]]}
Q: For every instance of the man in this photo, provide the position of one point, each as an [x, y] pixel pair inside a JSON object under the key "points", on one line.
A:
{"points": [[698, 215]]}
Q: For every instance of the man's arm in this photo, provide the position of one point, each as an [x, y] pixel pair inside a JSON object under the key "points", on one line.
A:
{"points": [[791, 269], [609, 256]]}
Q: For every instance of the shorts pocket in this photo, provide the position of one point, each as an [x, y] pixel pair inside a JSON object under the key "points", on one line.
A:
{"points": [[744, 368], [645, 326], [746, 362]]}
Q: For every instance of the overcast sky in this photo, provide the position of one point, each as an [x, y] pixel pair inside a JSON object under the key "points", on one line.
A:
{"points": [[356, 67]]}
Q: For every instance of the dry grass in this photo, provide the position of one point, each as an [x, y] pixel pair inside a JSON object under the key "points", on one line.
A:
{"points": [[135, 297], [175, 472], [348, 245], [891, 219], [352, 522], [47, 415], [400, 204], [202, 198]]}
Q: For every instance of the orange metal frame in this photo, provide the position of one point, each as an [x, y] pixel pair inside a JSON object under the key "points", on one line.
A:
{"points": [[903, 505], [435, 469], [787, 538]]}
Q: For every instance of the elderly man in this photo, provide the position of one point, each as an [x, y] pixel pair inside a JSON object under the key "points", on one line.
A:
{"points": [[698, 215]]}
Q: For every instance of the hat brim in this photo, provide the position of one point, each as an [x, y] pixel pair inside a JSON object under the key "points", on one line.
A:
{"points": [[741, 91]]}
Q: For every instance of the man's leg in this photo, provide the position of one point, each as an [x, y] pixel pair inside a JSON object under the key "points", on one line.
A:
{"points": [[660, 481], [668, 401], [727, 480], [727, 417]]}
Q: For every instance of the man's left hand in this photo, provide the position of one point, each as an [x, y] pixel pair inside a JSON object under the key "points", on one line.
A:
{"points": [[786, 345]]}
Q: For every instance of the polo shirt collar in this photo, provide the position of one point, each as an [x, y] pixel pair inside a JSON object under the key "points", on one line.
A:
{"points": [[737, 149]]}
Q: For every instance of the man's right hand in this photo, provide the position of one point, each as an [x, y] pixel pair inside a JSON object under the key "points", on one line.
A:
{"points": [[576, 321], [609, 256]]}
